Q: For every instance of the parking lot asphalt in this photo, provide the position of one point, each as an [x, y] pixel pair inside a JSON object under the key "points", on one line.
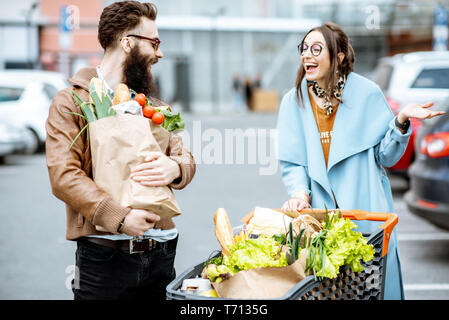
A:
{"points": [[36, 261]]}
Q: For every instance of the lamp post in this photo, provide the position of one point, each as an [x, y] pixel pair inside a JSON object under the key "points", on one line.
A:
{"points": [[214, 58], [28, 16], [65, 38]]}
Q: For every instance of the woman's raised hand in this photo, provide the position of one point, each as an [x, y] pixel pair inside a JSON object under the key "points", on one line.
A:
{"points": [[418, 111]]}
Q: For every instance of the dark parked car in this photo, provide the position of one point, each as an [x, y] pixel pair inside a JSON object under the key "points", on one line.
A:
{"points": [[428, 196]]}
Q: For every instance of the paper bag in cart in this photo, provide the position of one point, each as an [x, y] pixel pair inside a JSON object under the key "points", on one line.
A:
{"points": [[263, 283], [256, 283], [118, 144]]}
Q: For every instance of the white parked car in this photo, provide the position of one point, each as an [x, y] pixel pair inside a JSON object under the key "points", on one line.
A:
{"points": [[416, 77], [12, 140], [25, 98]]}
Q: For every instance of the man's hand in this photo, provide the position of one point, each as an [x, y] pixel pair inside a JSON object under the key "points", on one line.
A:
{"points": [[158, 170], [138, 221]]}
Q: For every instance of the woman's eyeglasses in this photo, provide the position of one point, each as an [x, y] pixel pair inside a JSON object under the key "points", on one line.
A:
{"points": [[315, 49], [155, 42]]}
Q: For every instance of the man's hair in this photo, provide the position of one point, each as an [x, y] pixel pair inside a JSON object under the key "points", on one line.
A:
{"points": [[120, 17]]}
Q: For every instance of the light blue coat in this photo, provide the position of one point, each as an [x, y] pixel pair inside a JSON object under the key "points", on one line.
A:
{"points": [[364, 140]]}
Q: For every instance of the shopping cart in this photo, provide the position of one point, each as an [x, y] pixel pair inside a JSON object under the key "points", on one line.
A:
{"points": [[368, 284]]}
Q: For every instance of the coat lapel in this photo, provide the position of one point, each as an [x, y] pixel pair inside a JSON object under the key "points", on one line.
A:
{"points": [[315, 157], [345, 124], [339, 149], [361, 120]]}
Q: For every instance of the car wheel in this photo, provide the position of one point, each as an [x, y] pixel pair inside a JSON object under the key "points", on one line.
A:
{"points": [[32, 142]]}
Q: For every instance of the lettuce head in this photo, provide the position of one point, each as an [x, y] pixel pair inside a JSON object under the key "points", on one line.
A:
{"points": [[255, 253]]}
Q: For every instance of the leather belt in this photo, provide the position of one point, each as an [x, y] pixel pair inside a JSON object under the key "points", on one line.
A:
{"points": [[135, 245]]}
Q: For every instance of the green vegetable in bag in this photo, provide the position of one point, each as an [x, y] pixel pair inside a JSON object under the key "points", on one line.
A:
{"points": [[336, 245], [98, 107], [255, 253], [172, 121]]}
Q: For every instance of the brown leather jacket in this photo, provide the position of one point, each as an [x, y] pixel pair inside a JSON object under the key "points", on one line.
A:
{"points": [[71, 171]]}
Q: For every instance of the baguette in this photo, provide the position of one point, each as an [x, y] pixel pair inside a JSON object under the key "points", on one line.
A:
{"points": [[121, 94], [223, 230]]}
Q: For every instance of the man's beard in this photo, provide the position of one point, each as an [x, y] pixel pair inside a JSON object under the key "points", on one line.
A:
{"points": [[136, 73]]}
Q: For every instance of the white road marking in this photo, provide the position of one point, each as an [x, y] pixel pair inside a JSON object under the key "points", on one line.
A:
{"points": [[436, 236], [426, 286], [423, 236]]}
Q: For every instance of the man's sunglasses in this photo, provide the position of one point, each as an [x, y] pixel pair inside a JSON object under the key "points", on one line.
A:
{"points": [[155, 42], [315, 49]]}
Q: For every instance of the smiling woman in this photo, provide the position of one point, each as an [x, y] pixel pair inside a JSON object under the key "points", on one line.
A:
{"points": [[325, 53], [336, 132]]}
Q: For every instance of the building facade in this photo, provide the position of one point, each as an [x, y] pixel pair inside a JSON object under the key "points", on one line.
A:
{"points": [[207, 44]]}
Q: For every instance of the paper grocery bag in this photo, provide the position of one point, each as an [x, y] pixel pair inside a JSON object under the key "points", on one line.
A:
{"points": [[263, 283], [118, 144]]}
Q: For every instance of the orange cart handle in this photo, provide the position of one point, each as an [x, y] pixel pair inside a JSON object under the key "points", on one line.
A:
{"points": [[390, 220]]}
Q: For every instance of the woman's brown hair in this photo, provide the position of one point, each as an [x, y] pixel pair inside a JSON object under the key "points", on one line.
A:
{"points": [[120, 17], [336, 41]]}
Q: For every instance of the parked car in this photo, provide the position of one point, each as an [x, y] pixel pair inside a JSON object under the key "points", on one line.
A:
{"points": [[417, 77], [428, 196], [25, 98], [12, 140]]}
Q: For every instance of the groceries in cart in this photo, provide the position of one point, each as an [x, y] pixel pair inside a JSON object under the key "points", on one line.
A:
{"points": [[272, 251]]}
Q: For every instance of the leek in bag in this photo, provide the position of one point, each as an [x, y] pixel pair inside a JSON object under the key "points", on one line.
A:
{"points": [[98, 107], [336, 245]]}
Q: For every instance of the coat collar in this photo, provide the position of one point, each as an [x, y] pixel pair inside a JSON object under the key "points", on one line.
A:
{"points": [[82, 77]]}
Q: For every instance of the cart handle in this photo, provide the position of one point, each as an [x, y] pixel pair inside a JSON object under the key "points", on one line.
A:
{"points": [[390, 220]]}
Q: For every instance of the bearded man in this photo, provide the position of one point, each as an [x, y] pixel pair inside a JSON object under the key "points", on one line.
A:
{"points": [[105, 266]]}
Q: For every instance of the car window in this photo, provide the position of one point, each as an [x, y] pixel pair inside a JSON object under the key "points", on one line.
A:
{"points": [[10, 94], [432, 79], [382, 75], [50, 90]]}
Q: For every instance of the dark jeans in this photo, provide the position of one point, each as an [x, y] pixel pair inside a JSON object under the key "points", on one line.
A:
{"points": [[105, 273]]}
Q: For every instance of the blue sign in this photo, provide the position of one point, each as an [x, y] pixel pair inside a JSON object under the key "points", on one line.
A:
{"points": [[441, 15], [65, 24], [65, 27], [440, 29]]}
